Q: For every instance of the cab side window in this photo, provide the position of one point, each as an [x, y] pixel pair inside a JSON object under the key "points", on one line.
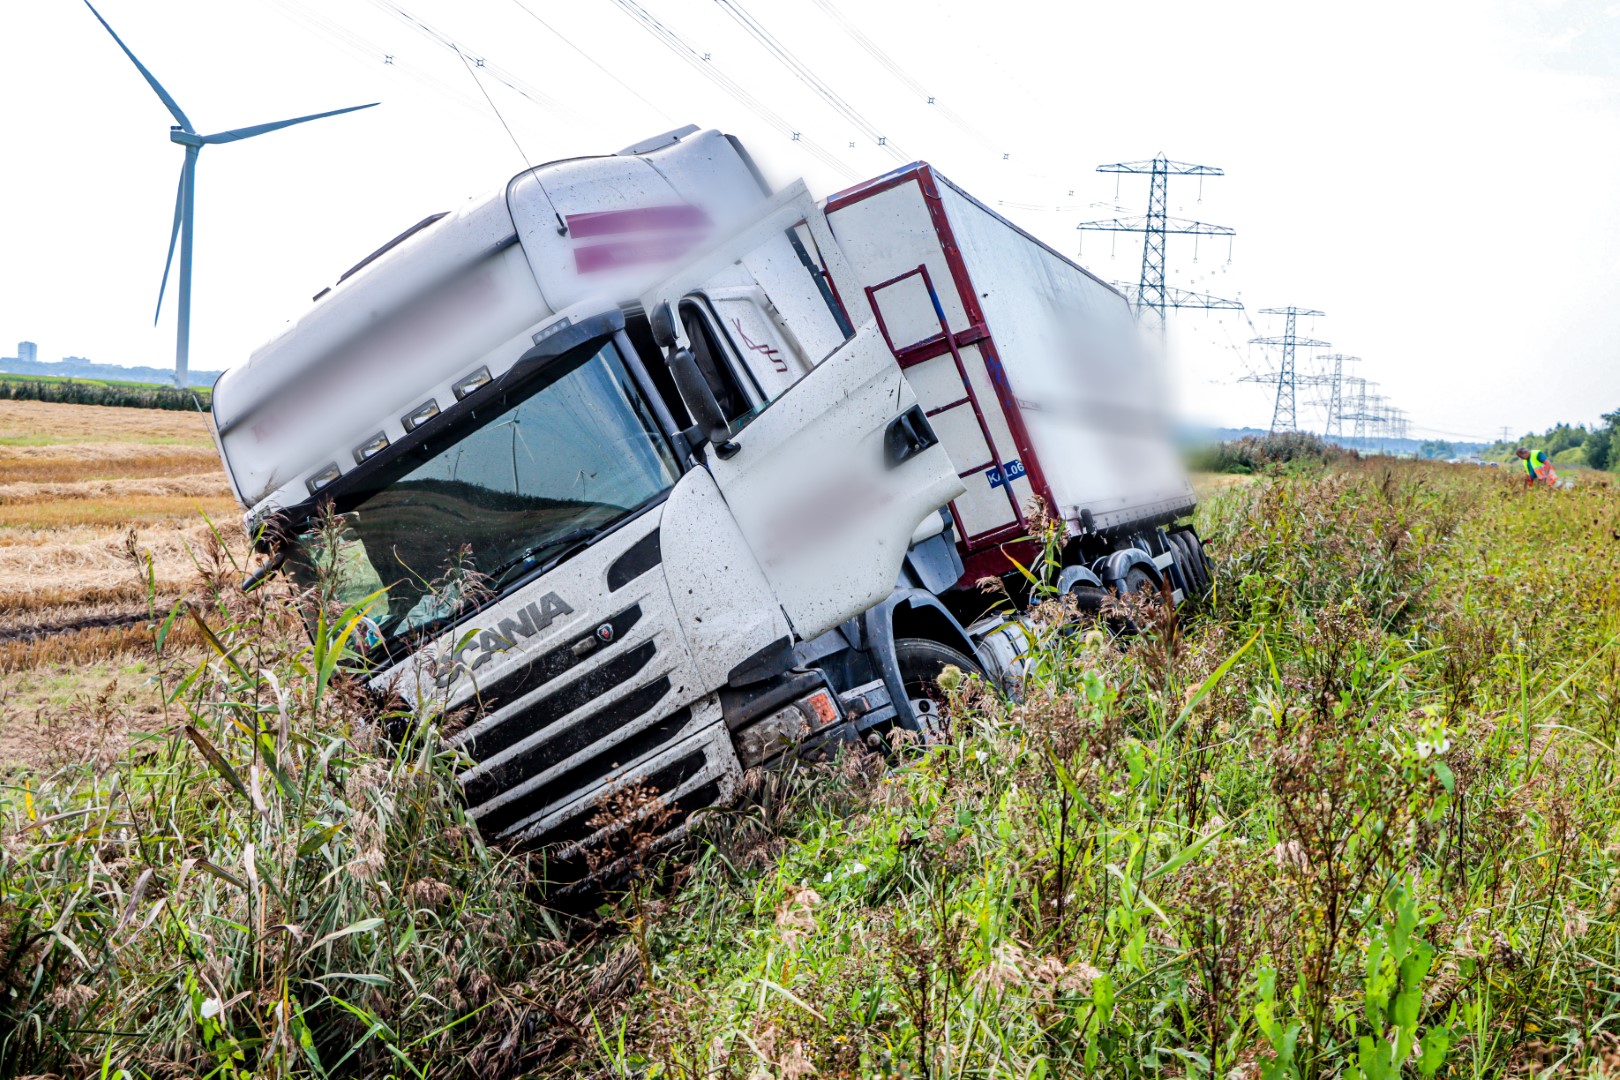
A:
{"points": [[712, 359]]}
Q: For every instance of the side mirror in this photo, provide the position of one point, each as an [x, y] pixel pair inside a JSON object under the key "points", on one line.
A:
{"points": [[699, 398], [662, 322]]}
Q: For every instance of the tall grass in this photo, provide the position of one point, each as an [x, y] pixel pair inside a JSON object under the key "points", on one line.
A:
{"points": [[283, 883], [1355, 817]]}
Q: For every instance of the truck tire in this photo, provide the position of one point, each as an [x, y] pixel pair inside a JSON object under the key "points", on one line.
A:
{"points": [[1089, 599], [921, 662]]}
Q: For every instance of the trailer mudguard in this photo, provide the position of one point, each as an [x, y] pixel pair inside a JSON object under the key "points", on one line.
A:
{"points": [[1076, 575], [908, 613], [1112, 568]]}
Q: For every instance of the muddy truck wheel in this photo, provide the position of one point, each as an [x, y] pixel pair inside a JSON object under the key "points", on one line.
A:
{"points": [[921, 663]]}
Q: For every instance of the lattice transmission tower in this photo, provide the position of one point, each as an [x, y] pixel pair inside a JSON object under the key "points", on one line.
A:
{"points": [[1334, 428], [1284, 415], [1151, 295]]}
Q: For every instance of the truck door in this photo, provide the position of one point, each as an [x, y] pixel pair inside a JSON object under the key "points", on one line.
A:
{"points": [[830, 479]]}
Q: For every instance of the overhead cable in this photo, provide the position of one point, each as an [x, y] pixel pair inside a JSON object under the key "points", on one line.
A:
{"points": [[679, 46], [892, 67], [592, 60], [802, 72]]}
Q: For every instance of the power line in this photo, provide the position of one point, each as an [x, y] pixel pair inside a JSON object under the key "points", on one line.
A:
{"points": [[499, 74], [889, 64], [679, 46], [594, 62], [363, 48], [802, 72]]}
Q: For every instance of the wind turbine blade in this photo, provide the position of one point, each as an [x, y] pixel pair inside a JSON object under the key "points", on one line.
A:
{"points": [[236, 134], [174, 236], [174, 107]]}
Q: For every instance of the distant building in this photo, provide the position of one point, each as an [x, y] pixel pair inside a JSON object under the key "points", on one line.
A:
{"points": [[27, 352]]}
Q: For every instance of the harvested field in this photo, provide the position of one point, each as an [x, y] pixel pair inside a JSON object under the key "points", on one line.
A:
{"points": [[40, 423], [97, 505]]}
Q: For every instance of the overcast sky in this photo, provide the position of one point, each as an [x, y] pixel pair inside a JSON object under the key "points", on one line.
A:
{"points": [[1438, 177]]}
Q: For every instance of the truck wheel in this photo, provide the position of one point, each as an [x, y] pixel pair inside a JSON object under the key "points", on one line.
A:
{"points": [[921, 662], [1089, 599], [1138, 580]]}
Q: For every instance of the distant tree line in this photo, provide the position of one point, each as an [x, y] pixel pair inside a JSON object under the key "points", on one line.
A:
{"points": [[125, 395], [1265, 453], [1596, 447]]}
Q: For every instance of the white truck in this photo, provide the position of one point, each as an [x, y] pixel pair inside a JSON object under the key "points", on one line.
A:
{"points": [[654, 474]]}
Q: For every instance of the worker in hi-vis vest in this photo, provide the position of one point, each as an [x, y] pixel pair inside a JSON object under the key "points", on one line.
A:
{"points": [[1537, 466]]}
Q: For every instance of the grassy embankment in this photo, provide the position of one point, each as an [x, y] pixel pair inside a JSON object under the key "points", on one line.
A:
{"points": [[1356, 819]]}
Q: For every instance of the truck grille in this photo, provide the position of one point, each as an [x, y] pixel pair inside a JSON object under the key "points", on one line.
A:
{"points": [[547, 666], [585, 773]]}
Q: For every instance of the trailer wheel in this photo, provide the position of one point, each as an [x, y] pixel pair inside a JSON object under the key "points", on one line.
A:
{"points": [[1200, 561], [1137, 579], [921, 662], [1190, 563]]}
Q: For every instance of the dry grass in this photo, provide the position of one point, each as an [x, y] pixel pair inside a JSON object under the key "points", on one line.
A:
{"points": [[79, 485], [124, 511], [72, 463]]}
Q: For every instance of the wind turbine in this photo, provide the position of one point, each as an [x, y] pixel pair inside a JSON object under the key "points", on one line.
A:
{"points": [[185, 198]]}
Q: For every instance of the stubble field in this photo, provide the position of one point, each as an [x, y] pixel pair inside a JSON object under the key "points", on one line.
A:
{"points": [[81, 487]]}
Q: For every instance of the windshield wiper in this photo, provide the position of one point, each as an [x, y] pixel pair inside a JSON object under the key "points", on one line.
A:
{"points": [[570, 542]]}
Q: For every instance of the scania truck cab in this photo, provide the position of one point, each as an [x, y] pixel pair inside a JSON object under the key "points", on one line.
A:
{"points": [[586, 531], [629, 463]]}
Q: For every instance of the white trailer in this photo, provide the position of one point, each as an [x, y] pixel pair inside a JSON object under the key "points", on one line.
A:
{"points": [[643, 466], [1027, 365]]}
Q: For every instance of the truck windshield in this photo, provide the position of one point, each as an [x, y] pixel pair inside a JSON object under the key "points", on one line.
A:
{"points": [[518, 486]]}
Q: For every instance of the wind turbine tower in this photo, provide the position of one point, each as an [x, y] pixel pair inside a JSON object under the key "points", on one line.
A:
{"points": [[183, 230]]}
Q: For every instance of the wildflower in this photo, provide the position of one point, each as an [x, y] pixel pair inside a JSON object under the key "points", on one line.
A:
{"points": [[1006, 967], [427, 893], [797, 1063], [1290, 854], [795, 916], [1078, 979]]}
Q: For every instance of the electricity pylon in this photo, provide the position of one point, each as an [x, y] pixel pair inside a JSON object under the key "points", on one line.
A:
{"points": [[1283, 413], [1151, 296], [1335, 417]]}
